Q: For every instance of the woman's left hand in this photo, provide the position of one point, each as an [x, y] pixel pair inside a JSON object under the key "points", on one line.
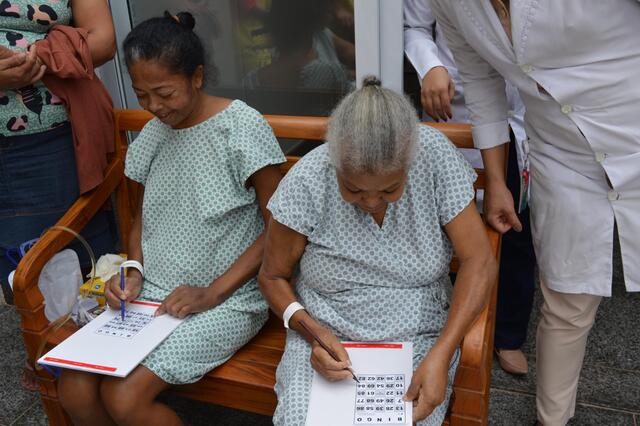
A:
{"points": [[186, 300], [428, 385]]}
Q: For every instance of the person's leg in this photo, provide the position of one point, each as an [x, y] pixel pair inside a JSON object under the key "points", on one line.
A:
{"points": [[79, 394], [516, 282], [293, 382], [561, 341], [132, 400], [37, 175]]}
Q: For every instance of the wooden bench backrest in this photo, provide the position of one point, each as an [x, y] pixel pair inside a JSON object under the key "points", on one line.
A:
{"points": [[284, 126]]}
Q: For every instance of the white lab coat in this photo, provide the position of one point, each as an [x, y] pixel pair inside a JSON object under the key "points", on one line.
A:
{"points": [[575, 64], [425, 53]]}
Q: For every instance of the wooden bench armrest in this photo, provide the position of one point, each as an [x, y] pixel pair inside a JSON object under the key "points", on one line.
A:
{"points": [[473, 346], [27, 296]]}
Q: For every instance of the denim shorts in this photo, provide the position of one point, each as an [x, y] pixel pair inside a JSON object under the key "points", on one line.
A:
{"points": [[38, 183]]}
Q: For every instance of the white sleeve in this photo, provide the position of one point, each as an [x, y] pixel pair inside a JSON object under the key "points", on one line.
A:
{"points": [[419, 45], [484, 87]]}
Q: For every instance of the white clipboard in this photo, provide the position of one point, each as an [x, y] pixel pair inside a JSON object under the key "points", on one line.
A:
{"points": [[384, 370], [108, 346]]}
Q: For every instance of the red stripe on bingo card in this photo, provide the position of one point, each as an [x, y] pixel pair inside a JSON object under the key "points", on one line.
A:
{"points": [[81, 364], [142, 302], [373, 345]]}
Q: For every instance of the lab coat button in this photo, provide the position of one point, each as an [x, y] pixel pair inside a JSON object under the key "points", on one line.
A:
{"points": [[600, 156], [566, 109], [613, 195], [511, 113], [526, 68]]}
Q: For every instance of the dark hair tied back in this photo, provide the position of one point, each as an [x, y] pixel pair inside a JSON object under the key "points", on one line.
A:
{"points": [[371, 80], [183, 18], [169, 40]]}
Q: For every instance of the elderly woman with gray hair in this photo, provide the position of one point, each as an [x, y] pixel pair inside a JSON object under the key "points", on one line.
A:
{"points": [[371, 217]]}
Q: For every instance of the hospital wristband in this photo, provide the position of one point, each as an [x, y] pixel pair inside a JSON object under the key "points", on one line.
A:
{"points": [[288, 313], [133, 264]]}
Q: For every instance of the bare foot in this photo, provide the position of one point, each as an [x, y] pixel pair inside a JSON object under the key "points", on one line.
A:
{"points": [[29, 379]]}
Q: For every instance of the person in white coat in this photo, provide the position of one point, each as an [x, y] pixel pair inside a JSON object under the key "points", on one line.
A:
{"points": [[443, 99], [575, 64]]}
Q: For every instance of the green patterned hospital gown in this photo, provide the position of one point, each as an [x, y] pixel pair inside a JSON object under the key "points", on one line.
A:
{"points": [[198, 217], [367, 283]]}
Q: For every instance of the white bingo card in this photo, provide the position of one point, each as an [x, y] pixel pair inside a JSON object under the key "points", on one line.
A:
{"points": [[108, 345], [384, 371], [379, 400]]}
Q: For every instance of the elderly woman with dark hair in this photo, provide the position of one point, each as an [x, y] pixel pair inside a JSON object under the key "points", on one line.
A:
{"points": [[372, 217]]}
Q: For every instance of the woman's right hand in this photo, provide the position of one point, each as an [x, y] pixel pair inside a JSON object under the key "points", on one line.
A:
{"points": [[324, 363], [499, 211], [437, 93], [19, 69], [132, 288]]}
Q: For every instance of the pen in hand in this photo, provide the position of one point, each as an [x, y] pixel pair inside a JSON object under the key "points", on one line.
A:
{"points": [[326, 347], [122, 302]]}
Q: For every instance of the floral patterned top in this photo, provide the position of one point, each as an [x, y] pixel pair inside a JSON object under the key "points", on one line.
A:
{"points": [[30, 109]]}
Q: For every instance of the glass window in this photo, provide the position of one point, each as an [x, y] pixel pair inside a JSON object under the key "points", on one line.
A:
{"points": [[293, 57]]}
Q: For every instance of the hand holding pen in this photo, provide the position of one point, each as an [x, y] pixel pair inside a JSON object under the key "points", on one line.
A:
{"points": [[132, 287], [328, 356]]}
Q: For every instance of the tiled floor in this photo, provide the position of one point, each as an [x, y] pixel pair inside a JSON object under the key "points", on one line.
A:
{"points": [[609, 391]]}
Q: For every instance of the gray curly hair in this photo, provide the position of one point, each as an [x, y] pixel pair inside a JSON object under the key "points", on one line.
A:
{"points": [[373, 130]]}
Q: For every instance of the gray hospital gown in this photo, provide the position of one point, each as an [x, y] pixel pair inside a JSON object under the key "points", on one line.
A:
{"points": [[367, 283], [198, 217]]}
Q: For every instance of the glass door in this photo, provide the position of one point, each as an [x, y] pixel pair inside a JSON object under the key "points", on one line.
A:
{"points": [[294, 57]]}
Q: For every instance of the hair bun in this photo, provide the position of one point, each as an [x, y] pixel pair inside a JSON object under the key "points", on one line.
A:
{"points": [[371, 80], [185, 19]]}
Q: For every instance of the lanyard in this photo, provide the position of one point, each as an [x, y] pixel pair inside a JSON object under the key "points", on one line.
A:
{"points": [[524, 178]]}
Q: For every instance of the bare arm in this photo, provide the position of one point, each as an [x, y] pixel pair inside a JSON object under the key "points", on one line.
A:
{"points": [[95, 17], [283, 249], [477, 273], [475, 278]]}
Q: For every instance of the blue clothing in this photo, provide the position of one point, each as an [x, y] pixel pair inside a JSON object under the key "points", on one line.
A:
{"points": [[38, 183]]}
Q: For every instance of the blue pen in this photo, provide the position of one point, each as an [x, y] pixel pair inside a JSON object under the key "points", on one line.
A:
{"points": [[122, 302]]}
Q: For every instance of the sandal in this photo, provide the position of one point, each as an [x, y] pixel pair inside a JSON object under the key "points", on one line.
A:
{"points": [[29, 380]]}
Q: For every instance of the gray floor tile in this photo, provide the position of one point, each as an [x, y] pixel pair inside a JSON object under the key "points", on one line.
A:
{"points": [[35, 416], [11, 339], [617, 389], [510, 409], [602, 386], [14, 400], [195, 413], [515, 409], [594, 416]]}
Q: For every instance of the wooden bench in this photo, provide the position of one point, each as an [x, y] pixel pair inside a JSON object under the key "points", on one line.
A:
{"points": [[246, 381]]}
